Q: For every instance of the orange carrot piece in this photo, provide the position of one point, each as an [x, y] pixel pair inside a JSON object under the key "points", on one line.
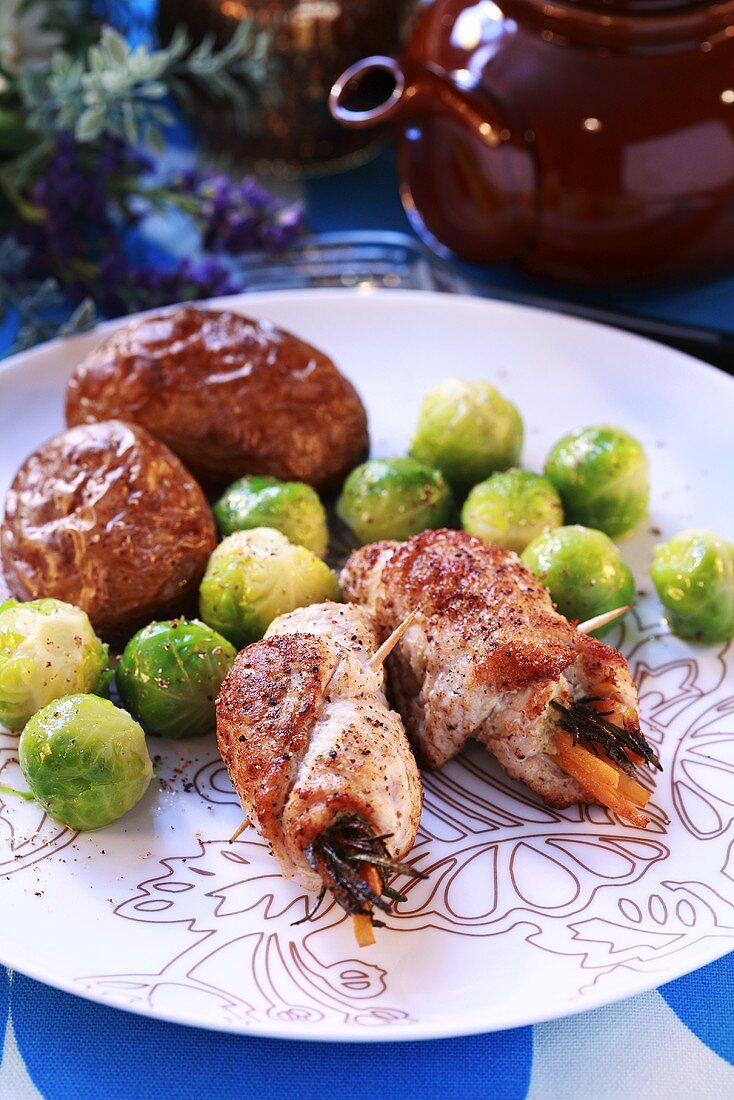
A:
{"points": [[630, 788], [600, 780], [364, 932], [578, 761]]}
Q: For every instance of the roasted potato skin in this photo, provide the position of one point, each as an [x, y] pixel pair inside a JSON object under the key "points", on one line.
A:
{"points": [[229, 395], [104, 516]]}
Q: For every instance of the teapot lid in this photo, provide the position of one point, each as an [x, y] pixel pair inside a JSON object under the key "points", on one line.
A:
{"points": [[627, 23], [641, 7]]}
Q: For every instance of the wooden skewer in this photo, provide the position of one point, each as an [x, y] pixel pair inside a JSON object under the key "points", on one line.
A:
{"points": [[389, 645], [239, 830], [364, 932], [599, 620]]}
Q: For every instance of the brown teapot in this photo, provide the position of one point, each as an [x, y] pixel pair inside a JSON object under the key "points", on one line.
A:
{"points": [[583, 141]]}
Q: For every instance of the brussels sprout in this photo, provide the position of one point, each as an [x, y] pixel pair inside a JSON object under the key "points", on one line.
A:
{"points": [[510, 509], [85, 761], [47, 649], [694, 578], [289, 506], [467, 430], [170, 674], [254, 576], [583, 571], [394, 498], [602, 477]]}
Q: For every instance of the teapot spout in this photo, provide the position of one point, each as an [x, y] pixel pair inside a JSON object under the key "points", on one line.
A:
{"points": [[379, 89], [368, 93]]}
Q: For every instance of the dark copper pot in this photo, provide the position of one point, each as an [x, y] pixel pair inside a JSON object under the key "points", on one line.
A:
{"points": [[586, 142], [310, 43]]}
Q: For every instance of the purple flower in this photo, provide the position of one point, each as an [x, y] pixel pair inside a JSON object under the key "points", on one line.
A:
{"points": [[90, 196], [126, 286], [83, 194], [241, 216]]}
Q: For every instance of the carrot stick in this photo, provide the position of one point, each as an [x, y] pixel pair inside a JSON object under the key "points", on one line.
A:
{"points": [[593, 768], [364, 932], [633, 790], [600, 780], [586, 766]]}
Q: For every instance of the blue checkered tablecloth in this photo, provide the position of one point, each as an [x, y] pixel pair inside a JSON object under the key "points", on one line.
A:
{"points": [[677, 1042]]}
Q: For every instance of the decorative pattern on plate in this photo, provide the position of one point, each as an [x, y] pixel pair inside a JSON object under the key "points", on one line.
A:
{"points": [[575, 883], [529, 913], [29, 837]]}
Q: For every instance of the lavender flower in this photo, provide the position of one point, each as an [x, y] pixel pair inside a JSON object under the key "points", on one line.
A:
{"points": [[89, 196], [84, 196], [242, 216], [77, 98], [125, 286]]}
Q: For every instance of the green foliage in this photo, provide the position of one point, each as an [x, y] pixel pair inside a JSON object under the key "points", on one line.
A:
{"points": [[67, 80], [47, 649], [512, 508], [254, 576], [170, 675], [583, 571], [118, 89], [467, 430], [601, 474], [394, 498], [289, 506], [694, 578], [85, 761]]}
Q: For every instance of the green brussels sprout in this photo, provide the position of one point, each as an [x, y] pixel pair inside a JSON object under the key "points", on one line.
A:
{"points": [[289, 506], [254, 576], [583, 571], [47, 649], [510, 509], [394, 498], [601, 475], [85, 761], [467, 430], [694, 578], [170, 675]]}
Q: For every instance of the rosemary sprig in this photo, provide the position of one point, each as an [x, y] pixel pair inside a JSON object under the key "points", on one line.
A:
{"points": [[584, 723], [337, 854]]}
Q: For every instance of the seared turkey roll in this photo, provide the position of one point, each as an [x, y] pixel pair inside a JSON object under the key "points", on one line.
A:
{"points": [[319, 761], [488, 656]]}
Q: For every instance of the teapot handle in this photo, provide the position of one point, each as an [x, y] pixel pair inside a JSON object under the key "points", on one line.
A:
{"points": [[403, 87]]}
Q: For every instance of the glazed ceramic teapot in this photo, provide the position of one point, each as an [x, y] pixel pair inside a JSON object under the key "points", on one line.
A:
{"points": [[585, 141]]}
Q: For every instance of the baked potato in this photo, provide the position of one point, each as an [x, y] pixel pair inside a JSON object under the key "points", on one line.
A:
{"points": [[106, 517], [229, 395]]}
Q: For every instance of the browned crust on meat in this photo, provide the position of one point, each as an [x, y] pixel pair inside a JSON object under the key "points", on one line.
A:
{"points": [[229, 395], [485, 626], [266, 708], [495, 605], [606, 668]]}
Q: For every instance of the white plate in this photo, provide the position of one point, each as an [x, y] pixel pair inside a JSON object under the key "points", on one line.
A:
{"points": [[529, 913]]}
